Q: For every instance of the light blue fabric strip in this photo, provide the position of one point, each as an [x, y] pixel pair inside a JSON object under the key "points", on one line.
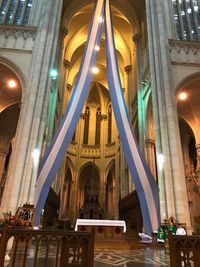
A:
{"points": [[144, 182], [57, 149]]}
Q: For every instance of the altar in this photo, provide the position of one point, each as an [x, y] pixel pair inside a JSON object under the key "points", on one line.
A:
{"points": [[104, 229]]}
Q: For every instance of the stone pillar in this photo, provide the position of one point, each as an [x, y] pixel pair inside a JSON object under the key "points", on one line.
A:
{"points": [[36, 11], [22, 174], [67, 95], [67, 87], [3, 155], [75, 189], [124, 171], [124, 176], [128, 87], [198, 157], [150, 156], [171, 28], [171, 177], [140, 93], [102, 195]]}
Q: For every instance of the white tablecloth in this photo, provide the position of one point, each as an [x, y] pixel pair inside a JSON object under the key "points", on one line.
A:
{"points": [[89, 222]]}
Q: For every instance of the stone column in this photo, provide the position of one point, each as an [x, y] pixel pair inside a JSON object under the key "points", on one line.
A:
{"points": [[198, 162], [67, 87], [140, 93], [128, 87], [3, 155], [173, 192], [124, 176], [75, 188], [170, 19], [102, 195], [198, 156], [150, 156], [22, 173], [36, 12], [67, 95]]}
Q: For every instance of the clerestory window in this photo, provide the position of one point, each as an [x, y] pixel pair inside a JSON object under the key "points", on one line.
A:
{"points": [[187, 19], [15, 11]]}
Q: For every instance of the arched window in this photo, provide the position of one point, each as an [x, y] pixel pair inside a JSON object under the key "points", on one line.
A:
{"points": [[109, 124], [86, 125], [98, 126], [187, 19], [15, 12]]}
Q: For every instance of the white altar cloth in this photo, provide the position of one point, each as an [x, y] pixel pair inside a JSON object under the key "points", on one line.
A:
{"points": [[90, 222]]}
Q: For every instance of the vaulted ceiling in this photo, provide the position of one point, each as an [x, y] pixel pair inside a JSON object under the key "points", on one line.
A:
{"points": [[77, 16]]}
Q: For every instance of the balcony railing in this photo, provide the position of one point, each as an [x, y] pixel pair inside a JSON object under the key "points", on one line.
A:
{"points": [[47, 248], [184, 251]]}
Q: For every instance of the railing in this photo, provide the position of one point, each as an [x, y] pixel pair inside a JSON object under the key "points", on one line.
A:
{"points": [[110, 149], [184, 251], [90, 150], [47, 248]]}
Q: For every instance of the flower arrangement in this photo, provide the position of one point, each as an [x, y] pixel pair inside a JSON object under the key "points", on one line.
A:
{"points": [[9, 220], [197, 229]]}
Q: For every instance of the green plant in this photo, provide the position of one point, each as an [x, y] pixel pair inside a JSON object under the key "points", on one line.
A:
{"points": [[197, 228], [9, 220]]}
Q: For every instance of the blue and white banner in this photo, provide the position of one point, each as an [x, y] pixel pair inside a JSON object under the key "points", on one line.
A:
{"points": [[57, 149], [144, 182]]}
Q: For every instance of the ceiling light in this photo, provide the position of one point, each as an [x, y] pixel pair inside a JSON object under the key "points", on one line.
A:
{"points": [[183, 96], [95, 70], [36, 155], [97, 48], [161, 160], [12, 84], [54, 74], [100, 19]]}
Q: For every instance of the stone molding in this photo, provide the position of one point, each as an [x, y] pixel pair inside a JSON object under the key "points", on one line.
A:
{"points": [[184, 52], [90, 151], [17, 37]]}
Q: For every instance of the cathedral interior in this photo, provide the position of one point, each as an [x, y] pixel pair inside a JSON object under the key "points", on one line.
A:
{"points": [[158, 59]]}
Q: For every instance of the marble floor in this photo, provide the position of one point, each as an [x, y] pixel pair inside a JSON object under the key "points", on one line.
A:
{"points": [[145, 256], [148, 257]]}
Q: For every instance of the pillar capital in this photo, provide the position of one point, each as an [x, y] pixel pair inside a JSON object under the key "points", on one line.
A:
{"points": [[128, 69], [66, 63], [64, 30], [68, 87], [136, 37]]}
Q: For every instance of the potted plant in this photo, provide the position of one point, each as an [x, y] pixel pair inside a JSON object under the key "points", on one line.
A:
{"points": [[196, 229]]}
